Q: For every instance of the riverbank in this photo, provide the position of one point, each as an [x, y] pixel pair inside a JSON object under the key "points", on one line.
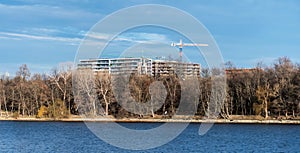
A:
{"points": [[152, 120]]}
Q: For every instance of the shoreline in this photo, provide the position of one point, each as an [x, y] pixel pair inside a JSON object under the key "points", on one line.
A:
{"points": [[135, 120]]}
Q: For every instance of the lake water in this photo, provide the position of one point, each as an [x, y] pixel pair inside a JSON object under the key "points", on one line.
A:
{"points": [[23, 137]]}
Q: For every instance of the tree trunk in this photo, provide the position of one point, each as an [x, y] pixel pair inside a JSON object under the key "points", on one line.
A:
{"points": [[293, 113], [5, 105], [94, 108], [23, 108], [19, 108], [37, 104], [152, 112], [266, 108], [106, 109]]}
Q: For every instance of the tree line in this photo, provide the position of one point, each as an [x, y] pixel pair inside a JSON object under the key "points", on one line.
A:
{"points": [[266, 91]]}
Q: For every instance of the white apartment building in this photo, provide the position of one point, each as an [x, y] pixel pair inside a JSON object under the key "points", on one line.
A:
{"points": [[142, 66], [118, 65]]}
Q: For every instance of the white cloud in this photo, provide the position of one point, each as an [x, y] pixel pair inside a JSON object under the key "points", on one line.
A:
{"points": [[136, 37], [130, 37], [42, 30], [98, 36], [45, 10], [35, 37], [9, 38], [95, 39]]}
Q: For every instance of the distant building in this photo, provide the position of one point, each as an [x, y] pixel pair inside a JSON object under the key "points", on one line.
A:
{"points": [[163, 67], [118, 65], [142, 66], [237, 71], [5, 75]]}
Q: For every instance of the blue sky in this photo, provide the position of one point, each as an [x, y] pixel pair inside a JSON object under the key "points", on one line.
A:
{"points": [[43, 34]]}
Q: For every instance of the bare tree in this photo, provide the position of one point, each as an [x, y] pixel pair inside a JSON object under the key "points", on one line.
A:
{"points": [[40, 92], [264, 94], [3, 98], [205, 93], [61, 77], [284, 70], [158, 94], [22, 75], [2, 95], [173, 89], [85, 93], [23, 72], [103, 84]]}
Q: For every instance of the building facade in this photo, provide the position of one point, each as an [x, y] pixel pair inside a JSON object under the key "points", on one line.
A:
{"points": [[118, 65], [142, 66], [163, 67]]}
